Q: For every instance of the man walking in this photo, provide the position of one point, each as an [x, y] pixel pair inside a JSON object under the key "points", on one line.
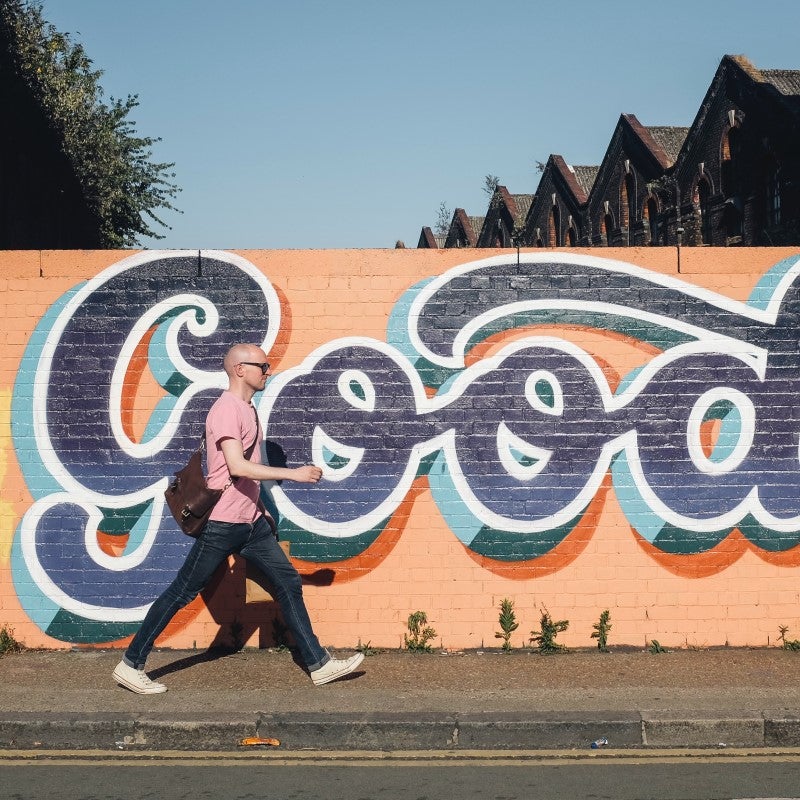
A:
{"points": [[238, 524]]}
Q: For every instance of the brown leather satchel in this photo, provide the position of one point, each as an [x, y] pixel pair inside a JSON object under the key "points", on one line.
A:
{"points": [[189, 497]]}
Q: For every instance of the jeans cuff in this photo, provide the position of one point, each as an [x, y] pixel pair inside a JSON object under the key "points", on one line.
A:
{"points": [[321, 663]]}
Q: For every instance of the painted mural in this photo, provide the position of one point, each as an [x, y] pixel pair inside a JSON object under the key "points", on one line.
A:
{"points": [[494, 388]]}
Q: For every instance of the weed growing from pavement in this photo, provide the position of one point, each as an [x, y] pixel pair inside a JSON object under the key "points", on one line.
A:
{"points": [[508, 623], [655, 647], [419, 633], [601, 630], [367, 649], [546, 637], [787, 644], [8, 644]]}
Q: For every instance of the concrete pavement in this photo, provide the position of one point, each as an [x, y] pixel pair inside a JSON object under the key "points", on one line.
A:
{"points": [[475, 700]]}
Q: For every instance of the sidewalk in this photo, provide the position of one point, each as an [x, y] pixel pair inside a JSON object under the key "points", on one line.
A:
{"points": [[401, 701]]}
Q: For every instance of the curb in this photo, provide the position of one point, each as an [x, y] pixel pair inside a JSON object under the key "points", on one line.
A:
{"points": [[393, 732]]}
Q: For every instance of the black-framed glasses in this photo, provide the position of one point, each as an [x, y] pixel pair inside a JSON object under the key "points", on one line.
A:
{"points": [[263, 366]]}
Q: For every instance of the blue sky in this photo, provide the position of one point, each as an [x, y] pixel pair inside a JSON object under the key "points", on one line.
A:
{"points": [[313, 124]]}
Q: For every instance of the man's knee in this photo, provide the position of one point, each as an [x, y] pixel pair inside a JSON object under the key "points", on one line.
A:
{"points": [[179, 595], [286, 578], [292, 580]]}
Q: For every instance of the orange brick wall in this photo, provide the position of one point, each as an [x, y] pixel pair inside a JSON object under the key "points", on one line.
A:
{"points": [[738, 590]]}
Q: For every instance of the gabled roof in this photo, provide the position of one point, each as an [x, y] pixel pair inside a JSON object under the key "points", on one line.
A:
{"points": [[659, 141], [477, 224], [784, 85], [579, 180], [669, 138], [560, 185], [522, 203], [516, 205], [651, 149], [786, 81], [427, 239], [586, 176], [469, 226]]}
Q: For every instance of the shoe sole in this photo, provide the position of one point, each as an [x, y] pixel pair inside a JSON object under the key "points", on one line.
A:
{"points": [[134, 688], [341, 673]]}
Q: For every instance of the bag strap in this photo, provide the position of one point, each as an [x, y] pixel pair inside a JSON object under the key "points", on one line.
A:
{"points": [[249, 451]]}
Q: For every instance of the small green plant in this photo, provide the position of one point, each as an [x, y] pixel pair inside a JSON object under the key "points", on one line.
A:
{"points": [[546, 637], [419, 633], [655, 647], [8, 644], [787, 644], [601, 630], [367, 649], [508, 623]]}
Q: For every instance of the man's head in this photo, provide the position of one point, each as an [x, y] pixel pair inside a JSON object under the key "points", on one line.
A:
{"points": [[247, 367]]}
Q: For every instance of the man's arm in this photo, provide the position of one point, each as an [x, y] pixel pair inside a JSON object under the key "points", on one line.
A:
{"points": [[241, 467]]}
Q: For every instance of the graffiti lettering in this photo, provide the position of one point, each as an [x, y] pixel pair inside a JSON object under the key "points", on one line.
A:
{"points": [[519, 443], [701, 439], [173, 316]]}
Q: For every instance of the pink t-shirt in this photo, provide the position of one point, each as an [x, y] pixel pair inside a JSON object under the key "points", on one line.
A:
{"points": [[232, 418]]}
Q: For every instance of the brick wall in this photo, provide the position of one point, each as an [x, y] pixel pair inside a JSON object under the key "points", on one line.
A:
{"points": [[569, 432]]}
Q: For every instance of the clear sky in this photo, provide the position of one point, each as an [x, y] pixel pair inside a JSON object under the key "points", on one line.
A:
{"points": [[324, 124]]}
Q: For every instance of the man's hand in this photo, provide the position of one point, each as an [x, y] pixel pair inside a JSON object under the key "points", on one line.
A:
{"points": [[307, 474]]}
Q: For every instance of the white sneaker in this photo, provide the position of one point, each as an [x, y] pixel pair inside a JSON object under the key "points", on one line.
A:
{"points": [[336, 668], [136, 680]]}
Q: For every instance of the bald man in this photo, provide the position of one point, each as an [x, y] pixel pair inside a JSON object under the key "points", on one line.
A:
{"points": [[238, 524]]}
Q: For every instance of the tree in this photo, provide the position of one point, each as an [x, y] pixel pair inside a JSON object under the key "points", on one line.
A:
{"points": [[122, 185], [442, 220], [490, 184]]}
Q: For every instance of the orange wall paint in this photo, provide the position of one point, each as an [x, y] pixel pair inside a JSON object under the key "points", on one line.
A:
{"points": [[735, 593]]}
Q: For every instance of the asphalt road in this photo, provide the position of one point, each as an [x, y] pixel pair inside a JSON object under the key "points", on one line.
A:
{"points": [[354, 776]]}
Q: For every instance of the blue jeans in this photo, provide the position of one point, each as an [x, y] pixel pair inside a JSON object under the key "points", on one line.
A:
{"points": [[257, 544]]}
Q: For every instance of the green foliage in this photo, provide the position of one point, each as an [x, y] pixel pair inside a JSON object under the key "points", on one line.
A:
{"points": [[787, 644], [601, 630], [367, 649], [120, 182], [546, 637], [443, 217], [419, 634], [655, 647], [508, 623], [8, 644], [490, 184]]}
